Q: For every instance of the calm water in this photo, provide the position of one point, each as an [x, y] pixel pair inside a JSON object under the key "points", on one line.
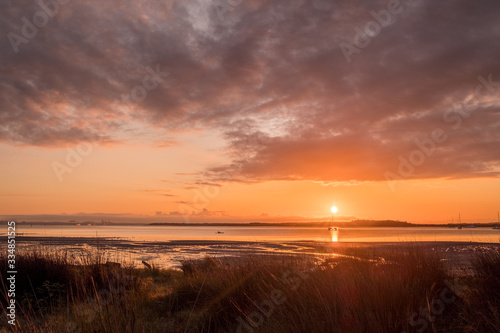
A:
{"points": [[151, 243], [263, 234]]}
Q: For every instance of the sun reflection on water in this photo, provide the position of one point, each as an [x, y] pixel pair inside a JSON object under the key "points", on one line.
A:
{"points": [[334, 233]]}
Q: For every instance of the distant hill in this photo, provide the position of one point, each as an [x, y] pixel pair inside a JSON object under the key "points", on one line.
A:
{"points": [[352, 224], [374, 223]]}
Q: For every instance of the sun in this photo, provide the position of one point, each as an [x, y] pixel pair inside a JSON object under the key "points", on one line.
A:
{"points": [[334, 210]]}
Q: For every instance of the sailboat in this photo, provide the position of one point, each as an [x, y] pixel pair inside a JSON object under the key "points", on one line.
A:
{"points": [[498, 220], [459, 221]]}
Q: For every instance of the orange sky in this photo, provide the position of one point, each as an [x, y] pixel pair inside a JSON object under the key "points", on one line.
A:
{"points": [[274, 107], [143, 180]]}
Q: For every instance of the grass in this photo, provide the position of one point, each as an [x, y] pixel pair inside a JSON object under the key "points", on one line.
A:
{"points": [[483, 297], [404, 289]]}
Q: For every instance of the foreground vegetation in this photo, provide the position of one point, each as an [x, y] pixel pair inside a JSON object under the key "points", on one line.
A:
{"points": [[406, 290]]}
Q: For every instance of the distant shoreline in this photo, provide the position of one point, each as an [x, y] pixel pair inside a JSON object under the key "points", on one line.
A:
{"points": [[352, 224], [325, 224]]}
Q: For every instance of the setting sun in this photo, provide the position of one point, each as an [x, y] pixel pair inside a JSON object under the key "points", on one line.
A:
{"points": [[334, 209]]}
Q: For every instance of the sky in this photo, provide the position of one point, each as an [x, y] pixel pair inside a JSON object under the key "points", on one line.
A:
{"points": [[223, 109]]}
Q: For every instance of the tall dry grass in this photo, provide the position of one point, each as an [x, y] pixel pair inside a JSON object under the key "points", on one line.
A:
{"points": [[481, 312], [343, 295], [366, 292], [49, 284]]}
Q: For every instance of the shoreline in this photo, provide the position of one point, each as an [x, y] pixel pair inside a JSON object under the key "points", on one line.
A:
{"points": [[306, 224], [127, 242], [169, 253]]}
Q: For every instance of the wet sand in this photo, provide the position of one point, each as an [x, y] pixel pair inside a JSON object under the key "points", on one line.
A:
{"points": [[169, 254]]}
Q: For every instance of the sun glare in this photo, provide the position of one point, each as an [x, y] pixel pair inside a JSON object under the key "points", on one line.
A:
{"points": [[334, 210]]}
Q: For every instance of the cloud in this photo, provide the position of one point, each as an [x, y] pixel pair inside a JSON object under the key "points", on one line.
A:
{"points": [[160, 192], [165, 143], [208, 184], [269, 75]]}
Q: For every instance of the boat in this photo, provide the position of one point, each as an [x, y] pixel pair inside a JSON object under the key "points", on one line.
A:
{"points": [[219, 232], [459, 227], [496, 227], [333, 229]]}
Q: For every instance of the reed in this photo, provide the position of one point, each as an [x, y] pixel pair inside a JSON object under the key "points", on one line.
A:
{"points": [[367, 291]]}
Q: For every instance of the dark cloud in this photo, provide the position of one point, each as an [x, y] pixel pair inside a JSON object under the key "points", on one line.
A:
{"points": [[270, 76]]}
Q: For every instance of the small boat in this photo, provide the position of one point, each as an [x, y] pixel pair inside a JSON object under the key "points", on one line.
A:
{"points": [[219, 232], [498, 221], [459, 227], [332, 229]]}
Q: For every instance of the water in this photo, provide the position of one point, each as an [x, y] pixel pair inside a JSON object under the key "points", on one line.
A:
{"points": [[149, 233], [168, 245]]}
